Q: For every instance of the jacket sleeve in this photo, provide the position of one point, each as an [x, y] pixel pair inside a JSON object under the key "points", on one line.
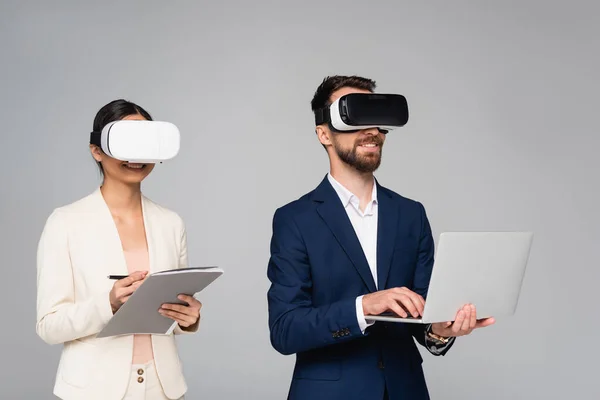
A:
{"points": [[295, 324], [60, 317], [183, 263], [424, 267]]}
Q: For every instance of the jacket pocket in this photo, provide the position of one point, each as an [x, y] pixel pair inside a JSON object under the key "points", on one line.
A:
{"points": [[76, 363]]}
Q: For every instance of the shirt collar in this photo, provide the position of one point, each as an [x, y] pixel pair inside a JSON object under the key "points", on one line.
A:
{"points": [[347, 197]]}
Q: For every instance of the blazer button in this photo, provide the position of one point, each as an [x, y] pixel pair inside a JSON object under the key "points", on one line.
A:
{"points": [[140, 379], [380, 364], [140, 371]]}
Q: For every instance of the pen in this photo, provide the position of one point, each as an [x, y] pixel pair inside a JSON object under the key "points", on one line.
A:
{"points": [[117, 276]]}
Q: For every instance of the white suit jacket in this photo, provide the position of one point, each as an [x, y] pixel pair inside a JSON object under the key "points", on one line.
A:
{"points": [[79, 247]]}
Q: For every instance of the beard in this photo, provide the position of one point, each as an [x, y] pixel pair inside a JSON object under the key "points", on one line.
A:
{"points": [[368, 162]]}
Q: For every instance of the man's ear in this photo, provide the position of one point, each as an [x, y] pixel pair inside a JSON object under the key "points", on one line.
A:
{"points": [[323, 135]]}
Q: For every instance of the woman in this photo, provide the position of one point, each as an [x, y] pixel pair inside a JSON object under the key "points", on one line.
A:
{"points": [[114, 230]]}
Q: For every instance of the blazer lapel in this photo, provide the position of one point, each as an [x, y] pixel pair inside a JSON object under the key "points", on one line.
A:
{"points": [[334, 215], [387, 226], [109, 227], [148, 226]]}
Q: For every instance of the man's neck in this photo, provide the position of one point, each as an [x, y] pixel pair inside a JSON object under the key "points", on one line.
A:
{"points": [[359, 183], [122, 199]]}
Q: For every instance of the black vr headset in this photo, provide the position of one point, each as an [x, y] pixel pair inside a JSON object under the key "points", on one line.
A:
{"points": [[356, 111]]}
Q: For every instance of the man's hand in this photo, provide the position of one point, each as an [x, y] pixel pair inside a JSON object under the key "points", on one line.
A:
{"points": [[398, 300], [123, 289], [466, 321], [185, 315]]}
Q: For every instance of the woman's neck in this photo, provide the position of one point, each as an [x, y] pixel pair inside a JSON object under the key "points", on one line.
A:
{"points": [[122, 198]]}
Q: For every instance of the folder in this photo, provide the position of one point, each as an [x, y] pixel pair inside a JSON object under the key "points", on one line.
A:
{"points": [[139, 314]]}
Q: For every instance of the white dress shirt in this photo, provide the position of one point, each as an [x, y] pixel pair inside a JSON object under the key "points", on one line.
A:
{"points": [[365, 226]]}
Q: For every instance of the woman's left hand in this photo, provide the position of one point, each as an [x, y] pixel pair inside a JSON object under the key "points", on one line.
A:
{"points": [[185, 315]]}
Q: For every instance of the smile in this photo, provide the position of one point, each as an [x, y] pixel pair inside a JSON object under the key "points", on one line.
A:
{"points": [[135, 166]]}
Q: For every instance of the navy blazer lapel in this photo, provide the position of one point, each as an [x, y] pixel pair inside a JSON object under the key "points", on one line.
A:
{"points": [[387, 226], [334, 215]]}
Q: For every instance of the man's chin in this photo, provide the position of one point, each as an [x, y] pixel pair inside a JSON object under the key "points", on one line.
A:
{"points": [[365, 167], [362, 162]]}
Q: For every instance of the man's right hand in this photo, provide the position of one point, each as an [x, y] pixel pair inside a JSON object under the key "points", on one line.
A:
{"points": [[123, 288], [399, 300]]}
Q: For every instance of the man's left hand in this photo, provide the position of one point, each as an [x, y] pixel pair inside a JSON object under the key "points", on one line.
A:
{"points": [[466, 321], [185, 315]]}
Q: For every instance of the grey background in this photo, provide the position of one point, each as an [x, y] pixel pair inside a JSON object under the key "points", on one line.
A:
{"points": [[503, 135]]}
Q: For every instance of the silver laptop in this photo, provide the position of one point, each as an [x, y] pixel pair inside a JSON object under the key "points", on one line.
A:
{"points": [[482, 268]]}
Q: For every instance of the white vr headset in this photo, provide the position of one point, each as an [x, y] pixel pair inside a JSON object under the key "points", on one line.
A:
{"points": [[138, 141], [357, 111]]}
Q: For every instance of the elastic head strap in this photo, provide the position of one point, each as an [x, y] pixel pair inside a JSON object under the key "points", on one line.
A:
{"points": [[96, 138], [322, 116]]}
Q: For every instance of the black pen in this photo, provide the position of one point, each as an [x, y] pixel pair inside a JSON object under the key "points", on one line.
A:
{"points": [[117, 276]]}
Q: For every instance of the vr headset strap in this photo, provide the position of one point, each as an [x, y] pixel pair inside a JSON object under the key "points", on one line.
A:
{"points": [[96, 138], [322, 116]]}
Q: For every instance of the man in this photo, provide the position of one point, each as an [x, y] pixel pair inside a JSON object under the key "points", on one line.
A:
{"points": [[349, 249]]}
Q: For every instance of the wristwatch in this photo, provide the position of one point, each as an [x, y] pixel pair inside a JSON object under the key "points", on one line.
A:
{"points": [[436, 338]]}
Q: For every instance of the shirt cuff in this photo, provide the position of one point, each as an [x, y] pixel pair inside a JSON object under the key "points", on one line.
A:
{"points": [[434, 347], [360, 316]]}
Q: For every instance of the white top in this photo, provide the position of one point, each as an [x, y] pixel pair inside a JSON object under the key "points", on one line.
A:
{"points": [[365, 226]]}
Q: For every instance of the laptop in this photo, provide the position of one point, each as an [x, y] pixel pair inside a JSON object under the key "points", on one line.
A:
{"points": [[482, 268]]}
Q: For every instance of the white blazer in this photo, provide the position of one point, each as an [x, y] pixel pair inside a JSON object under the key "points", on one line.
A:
{"points": [[78, 248]]}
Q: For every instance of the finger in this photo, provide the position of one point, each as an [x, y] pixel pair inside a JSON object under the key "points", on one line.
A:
{"points": [[467, 321], [473, 321], [179, 308], [176, 316], [405, 303], [191, 300], [133, 277], [482, 323], [177, 319], [392, 305], [416, 298], [127, 291], [460, 317], [409, 303], [421, 303]]}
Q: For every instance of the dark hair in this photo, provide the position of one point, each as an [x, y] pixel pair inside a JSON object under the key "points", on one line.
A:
{"points": [[333, 83], [115, 111]]}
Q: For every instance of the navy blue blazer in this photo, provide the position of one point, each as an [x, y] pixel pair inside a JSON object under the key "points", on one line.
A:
{"points": [[317, 269]]}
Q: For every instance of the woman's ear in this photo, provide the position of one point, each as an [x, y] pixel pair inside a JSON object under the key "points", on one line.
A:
{"points": [[96, 152]]}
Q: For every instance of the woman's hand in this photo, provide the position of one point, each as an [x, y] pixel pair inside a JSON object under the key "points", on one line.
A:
{"points": [[123, 288], [185, 315]]}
